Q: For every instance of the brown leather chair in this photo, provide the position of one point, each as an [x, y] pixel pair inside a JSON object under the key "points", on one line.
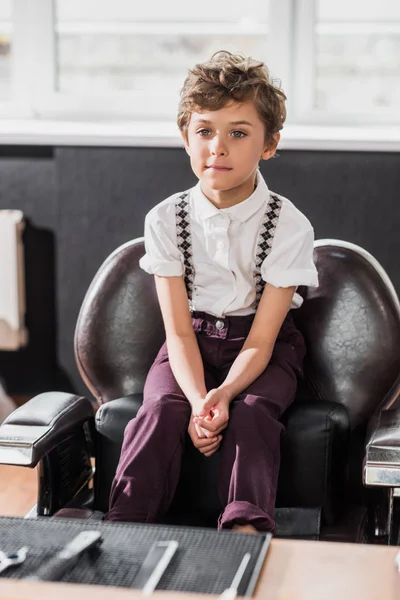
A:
{"points": [[351, 324]]}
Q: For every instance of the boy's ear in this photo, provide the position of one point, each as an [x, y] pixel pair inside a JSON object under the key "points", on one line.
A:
{"points": [[185, 141], [269, 151]]}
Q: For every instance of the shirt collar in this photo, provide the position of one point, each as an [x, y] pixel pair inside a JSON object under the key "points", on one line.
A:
{"points": [[242, 211]]}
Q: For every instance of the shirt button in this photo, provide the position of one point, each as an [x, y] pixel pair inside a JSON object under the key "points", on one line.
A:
{"points": [[220, 245], [219, 325]]}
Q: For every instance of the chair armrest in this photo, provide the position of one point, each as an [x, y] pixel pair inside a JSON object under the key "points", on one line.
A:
{"points": [[111, 420], [112, 417], [36, 428], [382, 450], [315, 448]]}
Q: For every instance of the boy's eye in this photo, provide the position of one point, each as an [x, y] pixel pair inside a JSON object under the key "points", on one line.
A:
{"points": [[238, 134], [204, 132]]}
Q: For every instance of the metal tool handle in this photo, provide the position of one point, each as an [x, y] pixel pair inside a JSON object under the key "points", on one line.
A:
{"points": [[64, 560], [154, 566], [397, 561], [231, 592]]}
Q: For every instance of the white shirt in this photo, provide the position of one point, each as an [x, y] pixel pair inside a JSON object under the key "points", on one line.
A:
{"points": [[224, 245]]}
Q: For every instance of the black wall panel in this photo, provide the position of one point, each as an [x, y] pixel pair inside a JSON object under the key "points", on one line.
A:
{"points": [[84, 202], [347, 195], [28, 183]]}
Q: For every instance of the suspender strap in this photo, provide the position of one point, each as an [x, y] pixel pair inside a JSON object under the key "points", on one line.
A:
{"points": [[265, 239], [264, 244], [184, 240]]}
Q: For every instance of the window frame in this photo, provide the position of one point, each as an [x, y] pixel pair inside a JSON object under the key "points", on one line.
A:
{"points": [[304, 79], [292, 30], [116, 106]]}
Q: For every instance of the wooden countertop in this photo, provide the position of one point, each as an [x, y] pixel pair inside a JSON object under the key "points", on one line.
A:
{"points": [[293, 570]]}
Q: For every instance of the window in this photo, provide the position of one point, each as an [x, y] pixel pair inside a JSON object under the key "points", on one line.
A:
{"points": [[357, 56], [5, 50], [124, 60], [126, 46]]}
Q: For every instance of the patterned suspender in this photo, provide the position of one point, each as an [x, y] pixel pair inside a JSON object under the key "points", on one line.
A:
{"points": [[264, 244], [265, 239], [184, 239]]}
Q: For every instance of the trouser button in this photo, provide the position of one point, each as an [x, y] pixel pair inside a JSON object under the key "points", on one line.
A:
{"points": [[219, 325]]}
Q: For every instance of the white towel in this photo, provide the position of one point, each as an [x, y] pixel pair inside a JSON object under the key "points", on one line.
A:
{"points": [[12, 281]]}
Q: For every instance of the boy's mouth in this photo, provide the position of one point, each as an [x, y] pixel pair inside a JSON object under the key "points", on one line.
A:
{"points": [[218, 168]]}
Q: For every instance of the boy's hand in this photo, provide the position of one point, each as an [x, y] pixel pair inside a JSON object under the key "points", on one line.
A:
{"points": [[214, 414], [205, 445], [197, 409]]}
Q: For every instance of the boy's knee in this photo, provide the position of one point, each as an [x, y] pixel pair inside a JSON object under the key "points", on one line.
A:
{"points": [[161, 416], [251, 407], [167, 409], [249, 415]]}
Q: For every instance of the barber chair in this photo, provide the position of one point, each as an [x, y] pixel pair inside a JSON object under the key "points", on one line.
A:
{"points": [[341, 414]]}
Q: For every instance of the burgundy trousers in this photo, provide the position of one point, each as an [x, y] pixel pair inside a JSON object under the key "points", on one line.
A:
{"points": [[150, 461]]}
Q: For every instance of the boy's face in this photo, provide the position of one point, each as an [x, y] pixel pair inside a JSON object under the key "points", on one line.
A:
{"points": [[225, 147]]}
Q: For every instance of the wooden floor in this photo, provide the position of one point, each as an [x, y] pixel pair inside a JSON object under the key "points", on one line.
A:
{"points": [[18, 489], [18, 485]]}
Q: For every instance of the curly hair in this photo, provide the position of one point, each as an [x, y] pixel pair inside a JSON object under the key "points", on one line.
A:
{"points": [[226, 77]]}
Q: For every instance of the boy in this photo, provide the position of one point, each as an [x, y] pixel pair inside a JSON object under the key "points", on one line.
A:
{"points": [[227, 256]]}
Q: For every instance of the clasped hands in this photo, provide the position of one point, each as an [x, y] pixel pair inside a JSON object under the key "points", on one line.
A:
{"points": [[209, 418]]}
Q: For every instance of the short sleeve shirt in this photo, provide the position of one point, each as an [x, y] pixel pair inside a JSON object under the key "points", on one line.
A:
{"points": [[224, 245]]}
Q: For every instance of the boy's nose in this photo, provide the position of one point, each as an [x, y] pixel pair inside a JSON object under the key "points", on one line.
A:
{"points": [[218, 148], [218, 151]]}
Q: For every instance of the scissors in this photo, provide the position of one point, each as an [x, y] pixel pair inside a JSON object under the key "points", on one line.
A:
{"points": [[11, 559]]}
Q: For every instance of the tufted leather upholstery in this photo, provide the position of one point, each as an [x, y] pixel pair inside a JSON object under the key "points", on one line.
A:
{"points": [[351, 324], [119, 329]]}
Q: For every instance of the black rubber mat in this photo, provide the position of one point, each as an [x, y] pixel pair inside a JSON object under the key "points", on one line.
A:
{"points": [[205, 562]]}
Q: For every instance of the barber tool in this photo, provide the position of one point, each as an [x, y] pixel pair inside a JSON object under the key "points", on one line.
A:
{"points": [[12, 559], [64, 560], [231, 592], [397, 561], [154, 566]]}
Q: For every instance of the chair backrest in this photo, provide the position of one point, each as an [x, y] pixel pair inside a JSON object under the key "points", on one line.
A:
{"points": [[119, 329], [351, 324]]}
